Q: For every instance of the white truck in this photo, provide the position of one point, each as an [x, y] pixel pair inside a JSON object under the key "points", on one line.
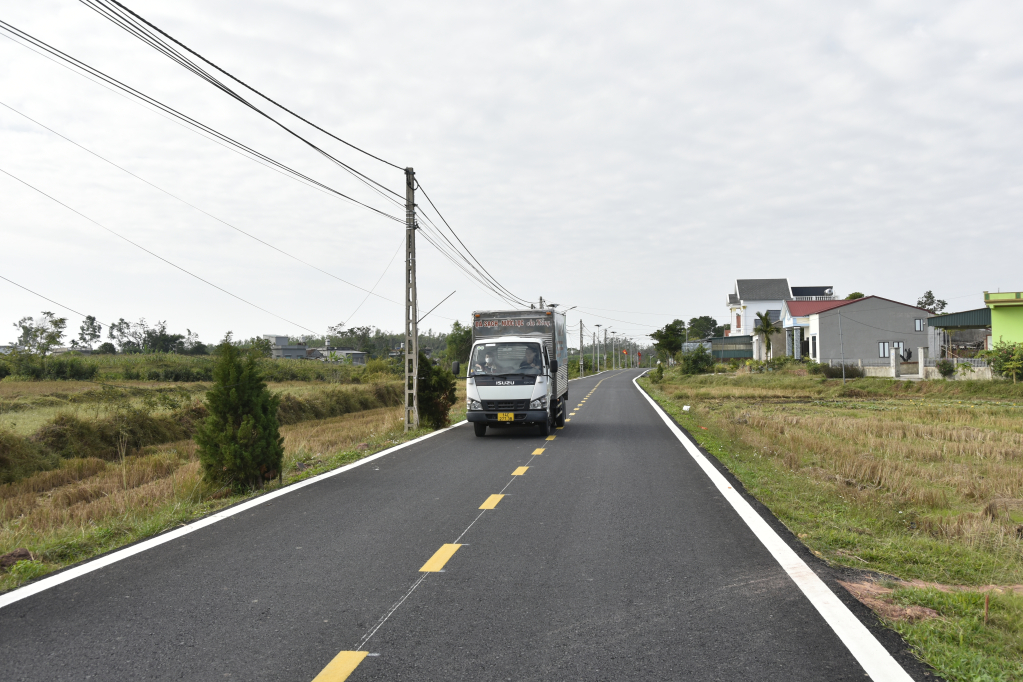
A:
{"points": [[518, 370]]}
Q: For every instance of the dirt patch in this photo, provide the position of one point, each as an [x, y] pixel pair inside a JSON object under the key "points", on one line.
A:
{"points": [[878, 597]]}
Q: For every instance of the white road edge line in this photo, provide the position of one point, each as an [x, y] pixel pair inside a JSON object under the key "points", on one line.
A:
{"points": [[119, 555], [868, 652]]}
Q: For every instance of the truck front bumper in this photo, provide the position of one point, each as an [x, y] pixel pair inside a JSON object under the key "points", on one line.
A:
{"points": [[521, 417]]}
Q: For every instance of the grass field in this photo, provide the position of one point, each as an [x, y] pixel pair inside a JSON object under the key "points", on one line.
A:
{"points": [[920, 481]]}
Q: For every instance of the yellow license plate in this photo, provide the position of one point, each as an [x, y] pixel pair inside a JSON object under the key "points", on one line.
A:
{"points": [[505, 416]]}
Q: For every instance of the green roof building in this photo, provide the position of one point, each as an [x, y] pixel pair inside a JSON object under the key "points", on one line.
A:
{"points": [[1006, 315]]}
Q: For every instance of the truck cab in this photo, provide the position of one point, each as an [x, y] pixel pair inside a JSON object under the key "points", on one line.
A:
{"points": [[511, 382]]}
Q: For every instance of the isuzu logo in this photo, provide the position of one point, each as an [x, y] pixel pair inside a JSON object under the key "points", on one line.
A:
{"points": [[505, 383]]}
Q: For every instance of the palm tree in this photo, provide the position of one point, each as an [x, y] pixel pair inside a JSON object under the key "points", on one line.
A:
{"points": [[765, 328]]}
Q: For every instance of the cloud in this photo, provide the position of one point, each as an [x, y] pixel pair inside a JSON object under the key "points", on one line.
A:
{"points": [[631, 156]]}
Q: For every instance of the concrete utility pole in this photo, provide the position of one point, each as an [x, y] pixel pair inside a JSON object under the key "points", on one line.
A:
{"points": [[605, 347], [411, 307], [594, 350], [599, 358], [581, 368]]}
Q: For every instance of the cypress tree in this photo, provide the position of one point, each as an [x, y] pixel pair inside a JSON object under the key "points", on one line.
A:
{"points": [[436, 393], [239, 441]]}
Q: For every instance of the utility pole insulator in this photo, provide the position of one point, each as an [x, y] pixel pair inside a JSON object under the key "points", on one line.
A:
{"points": [[411, 354]]}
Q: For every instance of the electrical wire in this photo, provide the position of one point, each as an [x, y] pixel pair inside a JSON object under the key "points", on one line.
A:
{"points": [[436, 239], [245, 150], [604, 317], [448, 225], [348, 320], [483, 286], [140, 30], [246, 85], [151, 253], [204, 212], [36, 293]]}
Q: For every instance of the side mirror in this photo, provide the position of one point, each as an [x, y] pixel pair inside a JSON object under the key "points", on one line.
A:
{"points": [[554, 366], [455, 366]]}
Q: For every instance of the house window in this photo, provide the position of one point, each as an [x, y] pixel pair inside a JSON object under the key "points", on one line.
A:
{"points": [[883, 349], [813, 346], [738, 321], [919, 324]]}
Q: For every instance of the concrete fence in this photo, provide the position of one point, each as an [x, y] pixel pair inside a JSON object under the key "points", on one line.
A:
{"points": [[923, 367]]}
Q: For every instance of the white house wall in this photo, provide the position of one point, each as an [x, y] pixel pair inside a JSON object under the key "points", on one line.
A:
{"points": [[749, 312]]}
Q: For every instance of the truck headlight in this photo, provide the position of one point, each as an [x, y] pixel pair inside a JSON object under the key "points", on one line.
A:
{"points": [[539, 404], [474, 404]]}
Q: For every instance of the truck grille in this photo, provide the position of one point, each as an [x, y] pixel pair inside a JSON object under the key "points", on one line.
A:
{"points": [[505, 405]]}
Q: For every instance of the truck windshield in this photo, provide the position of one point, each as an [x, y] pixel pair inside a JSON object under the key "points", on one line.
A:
{"points": [[517, 357]]}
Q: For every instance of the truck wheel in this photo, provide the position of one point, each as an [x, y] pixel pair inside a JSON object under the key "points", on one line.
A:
{"points": [[560, 419], [545, 428], [480, 428]]}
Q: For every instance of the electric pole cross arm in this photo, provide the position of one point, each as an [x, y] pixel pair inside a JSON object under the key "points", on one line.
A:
{"points": [[411, 307]]}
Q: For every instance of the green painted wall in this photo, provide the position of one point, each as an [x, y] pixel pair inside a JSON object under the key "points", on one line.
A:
{"points": [[1007, 323]]}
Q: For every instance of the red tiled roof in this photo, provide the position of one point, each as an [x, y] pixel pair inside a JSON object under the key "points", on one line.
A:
{"points": [[804, 308]]}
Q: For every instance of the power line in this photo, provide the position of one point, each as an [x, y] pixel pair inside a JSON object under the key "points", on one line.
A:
{"points": [[238, 146], [448, 225], [400, 243], [151, 253], [449, 251], [36, 293], [140, 31], [204, 212], [275, 103], [604, 317]]}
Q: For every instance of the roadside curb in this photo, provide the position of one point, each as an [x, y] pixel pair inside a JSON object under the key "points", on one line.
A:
{"points": [[899, 653]]}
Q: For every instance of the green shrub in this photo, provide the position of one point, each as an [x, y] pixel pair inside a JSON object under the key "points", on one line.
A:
{"points": [[851, 371], [658, 374], [813, 367], [436, 391], [239, 442], [105, 348], [66, 367], [1006, 359], [21, 457], [946, 368], [23, 571], [696, 361]]}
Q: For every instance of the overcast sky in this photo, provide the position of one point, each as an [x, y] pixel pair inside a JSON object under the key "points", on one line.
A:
{"points": [[629, 158]]}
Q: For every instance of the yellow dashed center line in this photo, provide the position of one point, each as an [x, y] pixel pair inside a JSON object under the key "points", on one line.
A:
{"points": [[519, 471], [551, 437], [538, 451], [491, 502], [439, 558], [341, 667]]}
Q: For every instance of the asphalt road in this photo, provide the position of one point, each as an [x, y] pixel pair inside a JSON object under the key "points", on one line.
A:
{"points": [[611, 557]]}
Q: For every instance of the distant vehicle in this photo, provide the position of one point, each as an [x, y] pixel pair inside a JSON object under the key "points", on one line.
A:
{"points": [[518, 370]]}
